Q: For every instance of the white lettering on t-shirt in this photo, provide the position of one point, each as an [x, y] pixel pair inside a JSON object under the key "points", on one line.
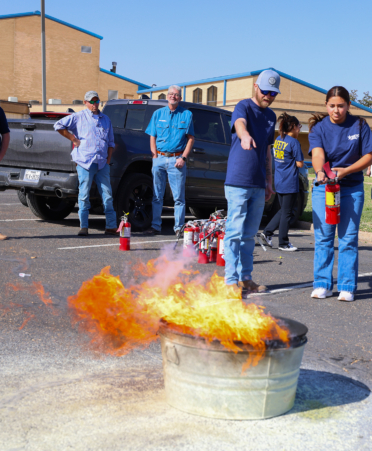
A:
{"points": [[270, 123], [351, 137]]}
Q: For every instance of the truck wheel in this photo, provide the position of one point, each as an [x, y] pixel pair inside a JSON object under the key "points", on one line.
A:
{"points": [[201, 212], [22, 198], [135, 196], [49, 208]]}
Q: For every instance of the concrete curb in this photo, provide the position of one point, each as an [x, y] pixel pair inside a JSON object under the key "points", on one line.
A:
{"points": [[305, 225]]}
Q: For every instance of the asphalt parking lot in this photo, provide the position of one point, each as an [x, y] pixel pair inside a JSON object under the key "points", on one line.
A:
{"points": [[56, 393]]}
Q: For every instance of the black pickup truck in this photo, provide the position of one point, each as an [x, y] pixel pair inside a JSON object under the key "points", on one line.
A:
{"points": [[38, 164]]}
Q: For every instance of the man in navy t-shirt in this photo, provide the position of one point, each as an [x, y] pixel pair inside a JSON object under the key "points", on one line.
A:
{"points": [[249, 178], [4, 143]]}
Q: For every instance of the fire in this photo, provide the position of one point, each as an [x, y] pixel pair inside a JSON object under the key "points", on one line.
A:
{"points": [[122, 318]]}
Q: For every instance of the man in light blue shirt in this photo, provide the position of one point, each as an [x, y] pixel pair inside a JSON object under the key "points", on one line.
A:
{"points": [[171, 133], [92, 135]]}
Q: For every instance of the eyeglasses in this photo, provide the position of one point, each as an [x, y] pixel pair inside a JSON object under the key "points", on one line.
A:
{"points": [[172, 94], [299, 126], [93, 101], [271, 93]]}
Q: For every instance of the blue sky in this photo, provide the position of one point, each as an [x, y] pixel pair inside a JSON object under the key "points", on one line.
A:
{"points": [[324, 42]]}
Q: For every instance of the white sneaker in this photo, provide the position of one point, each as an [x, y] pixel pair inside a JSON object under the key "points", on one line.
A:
{"points": [[321, 293], [346, 296], [267, 239], [288, 248]]}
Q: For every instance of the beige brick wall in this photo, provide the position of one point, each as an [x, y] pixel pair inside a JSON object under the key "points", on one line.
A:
{"points": [[110, 82], [70, 73], [238, 89]]}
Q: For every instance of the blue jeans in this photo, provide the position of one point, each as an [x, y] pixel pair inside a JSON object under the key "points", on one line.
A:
{"points": [[351, 204], [161, 167], [102, 179], [245, 208]]}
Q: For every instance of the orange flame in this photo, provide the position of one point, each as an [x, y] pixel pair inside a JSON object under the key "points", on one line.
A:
{"points": [[121, 319]]}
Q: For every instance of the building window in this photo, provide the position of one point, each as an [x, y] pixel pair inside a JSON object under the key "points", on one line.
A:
{"points": [[212, 96], [86, 49], [113, 95], [197, 96], [162, 96]]}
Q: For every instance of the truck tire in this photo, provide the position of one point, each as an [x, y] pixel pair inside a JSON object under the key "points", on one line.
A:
{"points": [[201, 212], [135, 197], [297, 210], [22, 198], [49, 208]]}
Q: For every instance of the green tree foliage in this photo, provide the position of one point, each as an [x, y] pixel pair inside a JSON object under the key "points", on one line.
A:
{"points": [[367, 100], [354, 95]]}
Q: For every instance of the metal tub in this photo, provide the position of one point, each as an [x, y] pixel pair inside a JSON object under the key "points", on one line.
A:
{"points": [[207, 379]]}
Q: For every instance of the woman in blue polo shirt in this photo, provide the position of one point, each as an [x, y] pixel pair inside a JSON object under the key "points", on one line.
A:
{"points": [[346, 142], [288, 158]]}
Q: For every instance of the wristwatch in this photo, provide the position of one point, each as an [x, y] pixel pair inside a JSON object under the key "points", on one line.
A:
{"points": [[184, 158]]}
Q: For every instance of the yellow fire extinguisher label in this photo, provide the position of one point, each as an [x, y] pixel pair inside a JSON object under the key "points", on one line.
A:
{"points": [[332, 198]]}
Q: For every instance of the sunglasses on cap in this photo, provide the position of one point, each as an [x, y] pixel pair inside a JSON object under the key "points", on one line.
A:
{"points": [[271, 93], [93, 101]]}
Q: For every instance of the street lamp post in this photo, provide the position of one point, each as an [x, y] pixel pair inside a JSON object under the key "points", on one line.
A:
{"points": [[43, 64]]}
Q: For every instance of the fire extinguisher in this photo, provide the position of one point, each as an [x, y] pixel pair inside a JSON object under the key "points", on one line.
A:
{"points": [[203, 247], [332, 196], [188, 239], [220, 250], [196, 235], [332, 202], [213, 250], [124, 229]]}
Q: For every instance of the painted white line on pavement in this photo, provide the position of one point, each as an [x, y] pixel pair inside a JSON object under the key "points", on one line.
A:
{"points": [[12, 220], [302, 285], [14, 203], [114, 244]]}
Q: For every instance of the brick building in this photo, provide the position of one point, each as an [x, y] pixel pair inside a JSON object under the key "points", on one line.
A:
{"points": [[72, 62], [298, 98]]}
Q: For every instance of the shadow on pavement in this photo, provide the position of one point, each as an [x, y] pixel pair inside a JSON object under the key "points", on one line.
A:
{"points": [[319, 389]]}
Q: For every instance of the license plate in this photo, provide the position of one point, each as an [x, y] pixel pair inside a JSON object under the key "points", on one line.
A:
{"points": [[31, 175]]}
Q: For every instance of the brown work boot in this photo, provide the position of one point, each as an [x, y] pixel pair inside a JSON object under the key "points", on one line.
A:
{"points": [[3, 237], [252, 287], [83, 232], [111, 232]]}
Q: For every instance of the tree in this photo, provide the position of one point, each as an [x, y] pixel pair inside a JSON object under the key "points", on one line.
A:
{"points": [[367, 100], [354, 95]]}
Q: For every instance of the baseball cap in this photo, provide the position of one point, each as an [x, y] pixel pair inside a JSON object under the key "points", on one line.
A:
{"points": [[269, 80], [90, 94]]}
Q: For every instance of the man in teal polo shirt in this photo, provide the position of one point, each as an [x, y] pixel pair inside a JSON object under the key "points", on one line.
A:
{"points": [[171, 133]]}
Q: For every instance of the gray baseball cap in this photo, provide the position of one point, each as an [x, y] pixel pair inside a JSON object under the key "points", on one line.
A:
{"points": [[90, 94], [269, 80]]}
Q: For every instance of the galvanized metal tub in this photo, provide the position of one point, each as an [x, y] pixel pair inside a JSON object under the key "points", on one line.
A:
{"points": [[207, 379]]}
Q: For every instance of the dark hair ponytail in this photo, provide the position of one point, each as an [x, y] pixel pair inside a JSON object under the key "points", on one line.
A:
{"points": [[287, 123], [336, 91]]}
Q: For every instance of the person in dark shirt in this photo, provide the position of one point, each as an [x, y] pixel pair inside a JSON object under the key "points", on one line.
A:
{"points": [[345, 141], [288, 158], [5, 138], [249, 178]]}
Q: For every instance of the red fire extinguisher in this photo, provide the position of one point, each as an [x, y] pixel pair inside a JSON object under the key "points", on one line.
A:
{"points": [[213, 252], [188, 239], [220, 250], [124, 229], [332, 196], [203, 247], [196, 235], [332, 202]]}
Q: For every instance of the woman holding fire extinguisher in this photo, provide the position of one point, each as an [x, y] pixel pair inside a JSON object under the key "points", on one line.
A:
{"points": [[345, 142]]}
